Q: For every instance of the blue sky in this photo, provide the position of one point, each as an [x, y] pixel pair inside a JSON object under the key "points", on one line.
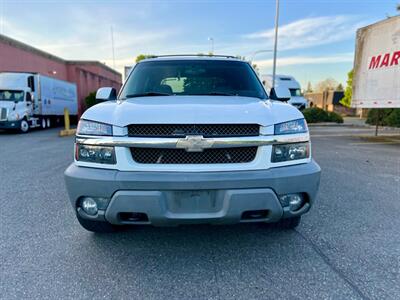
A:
{"points": [[316, 39]]}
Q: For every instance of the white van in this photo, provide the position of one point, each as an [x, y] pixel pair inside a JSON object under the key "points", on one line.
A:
{"points": [[292, 84]]}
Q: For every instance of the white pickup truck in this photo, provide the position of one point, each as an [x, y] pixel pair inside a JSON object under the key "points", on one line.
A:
{"points": [[191, 139]]}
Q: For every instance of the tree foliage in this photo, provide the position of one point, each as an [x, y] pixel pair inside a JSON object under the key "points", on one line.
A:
{"points": [[328, 84], [384, 117], [309, 88], [143, 56], [339, 88], [315, 115], [90, 100], [348, 93]]}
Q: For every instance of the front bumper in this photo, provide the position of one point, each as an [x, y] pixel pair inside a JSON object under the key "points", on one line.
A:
{"points": [[10, 124], [172, 198]]}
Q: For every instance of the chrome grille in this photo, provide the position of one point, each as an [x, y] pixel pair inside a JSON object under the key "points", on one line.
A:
{"points": [[181, 156], [3, 114], [182, 130]]}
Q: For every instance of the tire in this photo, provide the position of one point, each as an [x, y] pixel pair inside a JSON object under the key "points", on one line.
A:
{"points": [[289, 223], [97, 226], [24, 126], [43, 124]]}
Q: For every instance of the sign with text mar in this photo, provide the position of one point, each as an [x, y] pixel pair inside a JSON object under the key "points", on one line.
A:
{"points": [[376, 81]]}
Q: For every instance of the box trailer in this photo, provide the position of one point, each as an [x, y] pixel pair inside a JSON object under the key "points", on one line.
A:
{"points": [[376, 81], [29, 100]]}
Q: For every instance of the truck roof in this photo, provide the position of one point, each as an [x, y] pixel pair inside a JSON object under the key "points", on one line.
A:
{"points": [[191, 57]]}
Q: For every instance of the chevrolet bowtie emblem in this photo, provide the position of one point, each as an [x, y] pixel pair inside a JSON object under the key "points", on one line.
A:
{"points": [[194, 143]]}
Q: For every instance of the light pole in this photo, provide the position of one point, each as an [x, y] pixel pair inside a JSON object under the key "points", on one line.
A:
{"points": [[257, 52], [276, 42], [212, 44]]}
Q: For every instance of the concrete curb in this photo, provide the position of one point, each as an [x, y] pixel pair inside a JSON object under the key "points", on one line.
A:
{"points": [[325, 124]]}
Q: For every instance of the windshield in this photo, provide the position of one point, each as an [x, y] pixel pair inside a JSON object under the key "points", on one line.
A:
{"points": [[15, 96], [295, 92], [193, 77]]}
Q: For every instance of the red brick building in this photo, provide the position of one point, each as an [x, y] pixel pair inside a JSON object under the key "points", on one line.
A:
{"points": [[88, 75]]}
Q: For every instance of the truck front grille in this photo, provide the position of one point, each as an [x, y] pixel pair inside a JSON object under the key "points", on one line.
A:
{"points": [[3, 114], [181, 156], [182, 130]]}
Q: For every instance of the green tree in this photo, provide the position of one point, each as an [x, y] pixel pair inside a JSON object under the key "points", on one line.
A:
{"points": [[143, 56], [90, 100], [328, 84], [348, 93]]}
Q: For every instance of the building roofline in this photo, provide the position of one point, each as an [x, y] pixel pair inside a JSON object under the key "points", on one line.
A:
{"points": [[29, 48], [93, 62], [17, 44]]}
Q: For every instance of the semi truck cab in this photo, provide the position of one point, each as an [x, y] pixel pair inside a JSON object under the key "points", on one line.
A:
{"points": [[16, 107]]}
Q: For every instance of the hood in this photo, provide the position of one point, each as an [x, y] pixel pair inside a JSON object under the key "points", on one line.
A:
{"points": [[7, 104], [192, 110]]}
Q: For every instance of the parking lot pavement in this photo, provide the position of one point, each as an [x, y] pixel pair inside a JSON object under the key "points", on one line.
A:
{"points": [[347, 246]]}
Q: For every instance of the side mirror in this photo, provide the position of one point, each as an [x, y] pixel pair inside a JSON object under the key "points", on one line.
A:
{"points": [[280, 94], [106, 94], [28, 97]]}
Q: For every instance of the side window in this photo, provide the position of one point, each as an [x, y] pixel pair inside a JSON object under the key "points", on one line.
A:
{"points": [[31, 83]]}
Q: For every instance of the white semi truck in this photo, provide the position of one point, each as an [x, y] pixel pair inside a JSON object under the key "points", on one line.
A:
{"points": [[30, 100], [289, 82]]}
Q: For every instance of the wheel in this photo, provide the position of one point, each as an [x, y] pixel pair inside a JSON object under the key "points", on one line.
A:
{"points": [[97, 226], [24, 127], [289, 223], [44, 124], [48, 123]]}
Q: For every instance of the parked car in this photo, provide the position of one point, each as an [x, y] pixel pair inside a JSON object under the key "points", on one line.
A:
{"points": [[30, 100], [296, 97], [189, 140]]}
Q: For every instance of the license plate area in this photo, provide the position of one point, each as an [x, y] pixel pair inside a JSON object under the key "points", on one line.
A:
{"points": [[186, 202]]}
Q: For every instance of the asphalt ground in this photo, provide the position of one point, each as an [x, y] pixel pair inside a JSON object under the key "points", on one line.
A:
{"points": [[347, 246]]}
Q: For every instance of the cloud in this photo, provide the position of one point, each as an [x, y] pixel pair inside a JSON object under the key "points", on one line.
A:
{"points": [[306, 60], [87, 39], [310, 32]]}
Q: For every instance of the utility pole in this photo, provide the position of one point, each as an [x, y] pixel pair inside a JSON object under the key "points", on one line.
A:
{"points": [[112, 45], [2, 16], [276, 42], [212, 45]]}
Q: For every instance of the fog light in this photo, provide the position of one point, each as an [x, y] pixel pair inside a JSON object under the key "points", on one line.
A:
{"points": [[294, 201], [89, 206]]}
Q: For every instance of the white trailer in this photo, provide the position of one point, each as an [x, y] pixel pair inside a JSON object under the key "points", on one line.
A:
{"points": [[29, 100], [376, 81]]}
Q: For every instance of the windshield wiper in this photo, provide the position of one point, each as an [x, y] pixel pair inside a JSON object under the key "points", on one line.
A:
{"points": [[148, 94], [215, 94]]}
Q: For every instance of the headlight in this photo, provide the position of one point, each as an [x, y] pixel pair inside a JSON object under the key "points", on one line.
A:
{"points": [[93, 128], [95, 154], [295, 126], [13, 116], [289, 152]]}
